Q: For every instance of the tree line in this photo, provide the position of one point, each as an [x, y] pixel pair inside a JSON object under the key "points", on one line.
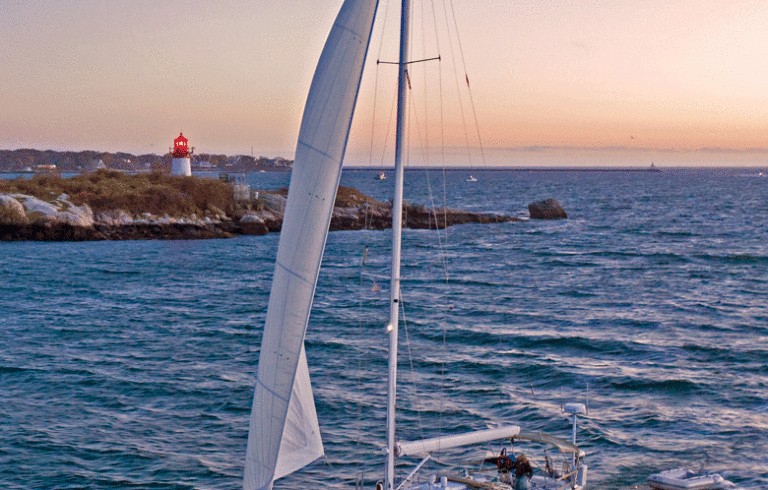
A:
{"points": [[68, 161]]}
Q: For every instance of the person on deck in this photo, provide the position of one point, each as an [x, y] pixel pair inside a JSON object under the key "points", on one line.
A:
{"points": [[523, 472]]}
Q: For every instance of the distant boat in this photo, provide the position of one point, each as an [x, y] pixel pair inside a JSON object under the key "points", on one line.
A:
{"points": [[685, 479], [381, 176], [471, 179], [654, 168]]}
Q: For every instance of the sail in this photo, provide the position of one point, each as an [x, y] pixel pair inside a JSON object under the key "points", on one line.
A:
{"points": [[283, 434], [301, 442]]}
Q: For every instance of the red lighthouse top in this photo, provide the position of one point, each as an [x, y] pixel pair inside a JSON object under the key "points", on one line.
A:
{"points": [[180, 147]]}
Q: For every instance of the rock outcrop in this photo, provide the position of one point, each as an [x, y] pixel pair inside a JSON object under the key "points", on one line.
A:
{"points": [[547, 209], [54, 211], [24, 217], [251, 224], [12, 212]]}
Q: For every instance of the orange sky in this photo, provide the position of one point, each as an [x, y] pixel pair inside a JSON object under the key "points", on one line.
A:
{"points": [[233, 75]]}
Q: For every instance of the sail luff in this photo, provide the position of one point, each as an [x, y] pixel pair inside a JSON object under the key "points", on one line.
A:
{"points": [[279, 399]]}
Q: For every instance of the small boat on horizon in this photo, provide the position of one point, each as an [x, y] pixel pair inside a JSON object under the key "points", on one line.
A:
{"points": [[381, 176], [471, 179]]}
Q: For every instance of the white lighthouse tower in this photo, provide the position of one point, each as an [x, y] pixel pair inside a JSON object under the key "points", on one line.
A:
{"points": [[181, 164]]}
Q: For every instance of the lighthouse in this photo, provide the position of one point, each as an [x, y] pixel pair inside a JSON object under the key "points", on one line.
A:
{"points": [[181, 164]]}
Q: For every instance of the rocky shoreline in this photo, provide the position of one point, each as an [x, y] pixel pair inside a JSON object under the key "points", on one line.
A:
{"points": [[26, 218]]}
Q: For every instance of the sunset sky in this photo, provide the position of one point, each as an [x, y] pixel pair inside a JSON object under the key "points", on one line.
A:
{"points": [[233, 74]]}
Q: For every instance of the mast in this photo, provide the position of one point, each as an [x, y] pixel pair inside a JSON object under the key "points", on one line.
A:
{"points": [[397, 227]]}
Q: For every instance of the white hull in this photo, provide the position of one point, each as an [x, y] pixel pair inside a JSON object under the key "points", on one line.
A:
{"points": [[490, 481], [554, 473], [685, 479]]}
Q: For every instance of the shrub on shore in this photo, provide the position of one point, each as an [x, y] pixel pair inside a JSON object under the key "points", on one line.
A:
{"points": [[154, 193], [346, 197]]}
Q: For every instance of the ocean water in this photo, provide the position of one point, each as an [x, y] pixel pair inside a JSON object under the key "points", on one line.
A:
{"points": [[131, 364]]}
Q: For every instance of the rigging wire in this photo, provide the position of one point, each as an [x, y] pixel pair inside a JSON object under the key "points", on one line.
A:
{"points": [[359, 405], [376, 92], [422, 134], [420, 131], [424, 139], [466, 77], [456, 80]]}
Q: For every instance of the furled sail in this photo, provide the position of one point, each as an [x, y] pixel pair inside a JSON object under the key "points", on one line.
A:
{"points": [[284, 435]]}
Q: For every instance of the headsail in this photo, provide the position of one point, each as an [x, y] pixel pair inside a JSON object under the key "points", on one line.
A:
{"points": [[284, 435]]}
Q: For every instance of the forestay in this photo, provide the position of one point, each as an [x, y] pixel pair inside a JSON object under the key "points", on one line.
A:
{"points": [[284, 435]]}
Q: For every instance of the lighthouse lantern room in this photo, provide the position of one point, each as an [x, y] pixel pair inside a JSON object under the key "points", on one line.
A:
{"points": [[180, 147], [181, 164]]}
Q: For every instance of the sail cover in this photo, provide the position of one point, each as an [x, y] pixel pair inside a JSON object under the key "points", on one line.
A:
{"points": [[284, 435]]}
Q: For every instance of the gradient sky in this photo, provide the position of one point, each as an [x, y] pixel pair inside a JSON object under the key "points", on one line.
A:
{"points": [[233, 74]]}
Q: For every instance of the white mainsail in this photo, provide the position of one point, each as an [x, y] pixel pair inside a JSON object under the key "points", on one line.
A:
{"points": [[284, 435]]}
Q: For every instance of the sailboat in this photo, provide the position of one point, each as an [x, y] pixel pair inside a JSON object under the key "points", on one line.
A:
{"points": [[284, 433]]}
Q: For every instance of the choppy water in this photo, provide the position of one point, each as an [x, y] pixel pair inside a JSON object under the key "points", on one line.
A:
{"points": [[131, 364]]}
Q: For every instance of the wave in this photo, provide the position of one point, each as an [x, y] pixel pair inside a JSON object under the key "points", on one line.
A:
{"points": [[675, 234], [727, 354], [679, 387], [745, 259], [142, 376]]}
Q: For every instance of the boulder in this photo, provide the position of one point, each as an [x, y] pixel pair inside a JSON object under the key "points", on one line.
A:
{"points": [[217, 212], [12, 212], [274, 203], [114, 217], [59, 210], [253, 225], [353, 213], [81, 216], [547, 209], [37, 211]]}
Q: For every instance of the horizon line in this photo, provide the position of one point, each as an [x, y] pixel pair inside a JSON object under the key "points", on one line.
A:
{"points": [[530, 148]]}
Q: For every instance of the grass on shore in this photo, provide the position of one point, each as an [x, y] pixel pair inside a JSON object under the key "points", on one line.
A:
{"points": [[346, 197], [156, 193], [349, 197]]}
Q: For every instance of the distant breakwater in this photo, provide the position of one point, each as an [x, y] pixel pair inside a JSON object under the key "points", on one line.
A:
{"points": [[502, 168]]}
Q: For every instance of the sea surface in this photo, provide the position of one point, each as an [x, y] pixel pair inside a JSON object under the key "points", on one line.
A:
{"points": [[131, 364]]}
